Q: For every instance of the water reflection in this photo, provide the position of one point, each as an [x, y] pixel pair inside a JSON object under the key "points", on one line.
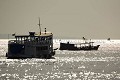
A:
{"points": [[61, 68], [68, 65]]}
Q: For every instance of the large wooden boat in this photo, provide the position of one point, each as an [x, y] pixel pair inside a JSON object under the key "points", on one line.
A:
{"points": [[32, 45]]}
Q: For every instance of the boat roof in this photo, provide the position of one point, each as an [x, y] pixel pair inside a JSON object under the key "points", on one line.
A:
{"points": [[80, 43], [87, 43], [43, 34]]}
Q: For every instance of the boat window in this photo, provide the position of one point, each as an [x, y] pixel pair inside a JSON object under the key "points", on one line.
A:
{"points": [[42, 38], [32, 38], [42, 48], [37, 39], [49, 38]]}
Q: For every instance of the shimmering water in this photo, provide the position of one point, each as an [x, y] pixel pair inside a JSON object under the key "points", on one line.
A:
{"points": [[103, 64]]}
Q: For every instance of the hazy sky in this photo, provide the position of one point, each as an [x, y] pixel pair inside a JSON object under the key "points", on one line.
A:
{"points": [[95, 19]]}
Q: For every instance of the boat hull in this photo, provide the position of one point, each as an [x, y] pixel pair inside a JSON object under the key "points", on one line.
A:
{"points": [[21, 51], [22, 56]]}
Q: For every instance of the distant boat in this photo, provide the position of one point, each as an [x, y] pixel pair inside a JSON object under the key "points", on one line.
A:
{"points": [[81, 46], [108, 39]]}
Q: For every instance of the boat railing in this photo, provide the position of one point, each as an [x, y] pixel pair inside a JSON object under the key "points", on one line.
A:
{"points": [[30, 42], [37, 42]]}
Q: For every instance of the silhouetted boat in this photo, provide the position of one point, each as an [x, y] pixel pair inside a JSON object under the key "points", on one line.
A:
{"points": [[108, 39], [81, 46], [31, 46]]}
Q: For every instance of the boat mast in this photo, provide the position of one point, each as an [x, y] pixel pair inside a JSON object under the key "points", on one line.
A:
{"points": [[39, 26]]}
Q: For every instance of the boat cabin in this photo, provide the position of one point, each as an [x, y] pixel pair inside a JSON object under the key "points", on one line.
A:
{"points": [[33, 45]]}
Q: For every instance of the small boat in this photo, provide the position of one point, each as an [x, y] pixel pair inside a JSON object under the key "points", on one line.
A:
{"points": [[108, 39], [81, 46], [33, 45]]}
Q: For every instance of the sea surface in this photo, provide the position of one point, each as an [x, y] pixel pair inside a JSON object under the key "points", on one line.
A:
{"points": [[103, 64]]}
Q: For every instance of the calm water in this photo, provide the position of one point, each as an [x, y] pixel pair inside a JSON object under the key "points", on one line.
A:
{"points": [[103, 64]]}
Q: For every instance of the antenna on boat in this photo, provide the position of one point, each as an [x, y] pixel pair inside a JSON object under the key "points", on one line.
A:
{"points": [[39, 26], [45, 30]]}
